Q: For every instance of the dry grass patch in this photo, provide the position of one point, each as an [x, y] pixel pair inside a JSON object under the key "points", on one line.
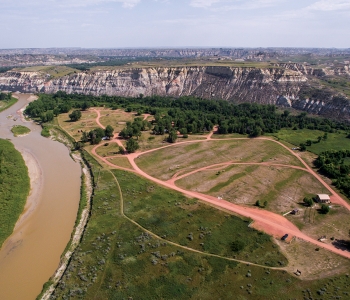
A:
{"points": [[120, 161], [335, 224], [313, 264], [191, 156], [148, 141], [107, 149], [86, 123], [116, 118], [282, 188]]}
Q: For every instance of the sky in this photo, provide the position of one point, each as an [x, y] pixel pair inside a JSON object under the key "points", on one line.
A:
{"points": [[174, 23]]}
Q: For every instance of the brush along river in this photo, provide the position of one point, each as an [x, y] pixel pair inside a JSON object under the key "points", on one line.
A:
{"points": [[32, 253]]}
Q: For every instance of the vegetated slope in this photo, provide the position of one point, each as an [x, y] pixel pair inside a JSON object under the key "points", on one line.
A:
{"points": [[279, 85], [14, 187]]}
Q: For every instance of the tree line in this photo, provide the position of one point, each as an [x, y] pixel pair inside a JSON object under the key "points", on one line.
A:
{"points": [[188, 114], [333, 164]]}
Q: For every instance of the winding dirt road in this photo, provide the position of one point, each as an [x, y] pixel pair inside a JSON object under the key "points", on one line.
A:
{"points": [[266, 221]]}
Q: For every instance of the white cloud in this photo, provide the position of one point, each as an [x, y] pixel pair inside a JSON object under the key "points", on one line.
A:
{"points": [[81, 3], [203, 3], [225, 5], [69, 3], [330, 5]]}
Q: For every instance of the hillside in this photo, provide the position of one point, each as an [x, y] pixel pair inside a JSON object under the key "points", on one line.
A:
{"points": [[287, 85]]}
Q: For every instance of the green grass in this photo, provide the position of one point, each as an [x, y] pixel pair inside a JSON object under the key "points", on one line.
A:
{"points": [[19, 130], [53, 71], [6, 104], [335, 141], [14, 187], [118, 260], [168, 213], [45, 132]]}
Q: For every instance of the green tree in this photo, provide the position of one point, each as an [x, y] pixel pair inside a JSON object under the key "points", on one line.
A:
{"points": [[85, 137], [302, 147], [307, 201], [308, 143], [324, 209], [325, 136], [257, 203], [109, 131], [78, 145], [75, 115], [96, 136], [56, 111], [121, 150], [132, 145], [172, 136], [256, 132], [85, 105]]}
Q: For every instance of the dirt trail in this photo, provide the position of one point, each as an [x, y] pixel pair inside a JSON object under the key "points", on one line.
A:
{"points": [[230, 163], [269, 222]]}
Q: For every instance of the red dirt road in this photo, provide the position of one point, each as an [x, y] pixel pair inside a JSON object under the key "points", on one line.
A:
{"points": [[269, 222]]}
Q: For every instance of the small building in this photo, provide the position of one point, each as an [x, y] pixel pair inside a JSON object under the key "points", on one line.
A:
{"points": [[295, 211], [323, 198]]}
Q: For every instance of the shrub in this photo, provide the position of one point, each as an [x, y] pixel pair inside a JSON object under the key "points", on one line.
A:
{"points": [[237, 245], [324, 209]]}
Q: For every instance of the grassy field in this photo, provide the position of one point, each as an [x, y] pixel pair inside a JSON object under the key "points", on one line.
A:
{"points": [[195, 225], [116, 118], [120, 161], [188, 157], [188, 63], [282, 188], [335, 141], [14, 187], [86, 123], [19, 130], [107, 149], [6, 104], [119, 260], [53, 71]]}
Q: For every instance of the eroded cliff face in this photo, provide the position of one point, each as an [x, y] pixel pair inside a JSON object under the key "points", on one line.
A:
{"points": [[237, 84], [267, 86]]}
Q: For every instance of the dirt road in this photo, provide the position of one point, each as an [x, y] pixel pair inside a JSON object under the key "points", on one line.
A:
{"points": [[269, 222]]}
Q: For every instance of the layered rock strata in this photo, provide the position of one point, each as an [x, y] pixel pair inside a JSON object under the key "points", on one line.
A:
{"points": [[279, 85]]}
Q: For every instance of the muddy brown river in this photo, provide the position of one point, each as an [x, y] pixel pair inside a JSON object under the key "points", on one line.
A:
{"points": [[32, 253]]}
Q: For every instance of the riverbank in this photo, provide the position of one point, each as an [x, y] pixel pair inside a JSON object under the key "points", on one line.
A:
{"points": [[14, 188], [8, 104], [82, 219], [33, 251]]}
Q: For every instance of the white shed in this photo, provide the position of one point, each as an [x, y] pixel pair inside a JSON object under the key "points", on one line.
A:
{"points": [[323, 198]]}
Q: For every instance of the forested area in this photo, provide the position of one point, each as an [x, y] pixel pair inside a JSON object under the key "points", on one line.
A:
{"points": [[333, 165], [187, 114]]}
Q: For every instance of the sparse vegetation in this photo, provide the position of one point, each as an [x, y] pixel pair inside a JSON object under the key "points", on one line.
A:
{"points": [[20, 130]]}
